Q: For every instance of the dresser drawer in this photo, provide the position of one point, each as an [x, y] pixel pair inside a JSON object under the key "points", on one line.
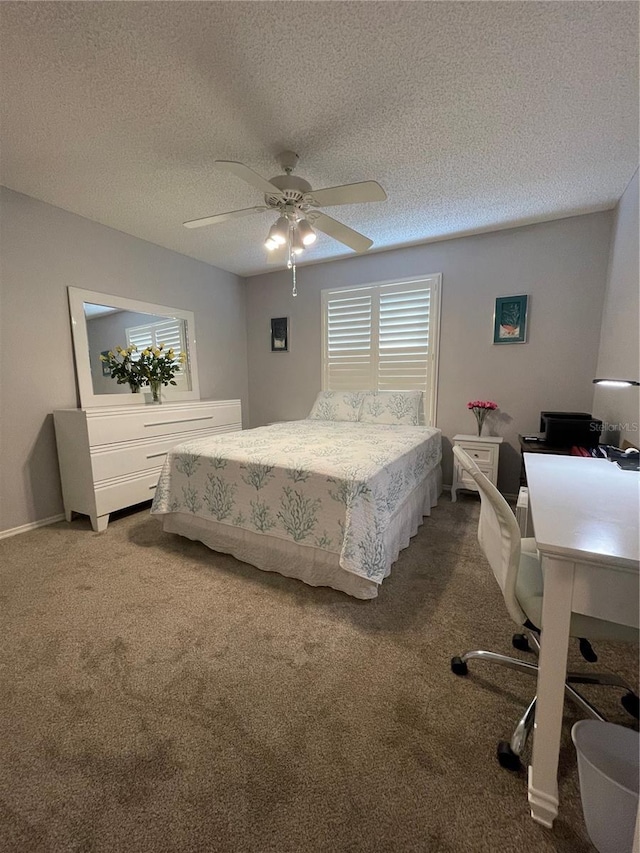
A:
{"points": [[115, 460], [126, 491], [480, 452], [155, 421]]}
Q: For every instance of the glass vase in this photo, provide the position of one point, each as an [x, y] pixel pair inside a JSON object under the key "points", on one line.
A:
{"points": [[480, 414], [156, 390], [135, 389]]}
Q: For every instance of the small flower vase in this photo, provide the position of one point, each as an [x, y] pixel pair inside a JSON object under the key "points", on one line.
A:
{"points": [[480, 414], [156, 390]]}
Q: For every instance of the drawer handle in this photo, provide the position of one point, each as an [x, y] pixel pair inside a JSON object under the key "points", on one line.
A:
{"points": [[153, 455], [476, 455], [181, 421], [151, 488]]}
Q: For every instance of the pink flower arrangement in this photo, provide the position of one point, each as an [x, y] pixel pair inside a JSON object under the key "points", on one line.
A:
{"points": [[481, 409]]}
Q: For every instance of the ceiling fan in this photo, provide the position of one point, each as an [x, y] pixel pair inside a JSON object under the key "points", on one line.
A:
{"points": [[296, 203]]}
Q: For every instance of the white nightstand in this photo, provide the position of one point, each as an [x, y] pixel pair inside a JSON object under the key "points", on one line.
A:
{"points": [[485, 451]]}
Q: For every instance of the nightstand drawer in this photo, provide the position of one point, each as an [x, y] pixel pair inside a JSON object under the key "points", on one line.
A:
{"points": [[479, 453], [484, 451], [466, 480]]}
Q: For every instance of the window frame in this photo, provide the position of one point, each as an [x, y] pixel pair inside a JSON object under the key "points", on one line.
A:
{"points": [[434, 284]]}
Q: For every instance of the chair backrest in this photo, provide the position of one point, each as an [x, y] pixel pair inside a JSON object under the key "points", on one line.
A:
{"points": [[498, 535]]}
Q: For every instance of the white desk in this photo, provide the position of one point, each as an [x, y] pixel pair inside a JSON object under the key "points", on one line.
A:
{"points": [[585, 515]]}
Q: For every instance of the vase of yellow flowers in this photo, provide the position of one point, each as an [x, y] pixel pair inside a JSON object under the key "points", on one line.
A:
{"points": [[153, 367], [159, 368]]}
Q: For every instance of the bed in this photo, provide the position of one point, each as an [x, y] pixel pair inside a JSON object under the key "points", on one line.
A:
{"points": [[331, 503]]}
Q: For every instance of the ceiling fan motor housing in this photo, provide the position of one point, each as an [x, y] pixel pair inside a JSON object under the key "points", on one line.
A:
{"points": [[293, 189]]}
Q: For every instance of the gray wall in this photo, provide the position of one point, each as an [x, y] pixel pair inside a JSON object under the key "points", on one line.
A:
{"points": [[562, 265], [619, 347], [43, 250]]}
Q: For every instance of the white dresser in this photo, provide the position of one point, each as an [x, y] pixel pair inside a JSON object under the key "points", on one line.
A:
{"points": [[485, 452], [111, 457]]}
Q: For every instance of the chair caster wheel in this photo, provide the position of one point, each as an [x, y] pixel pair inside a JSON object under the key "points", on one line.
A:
{"points": [[507, 757], [520, 642], [459, 666], [587, 652], [631, 704]]}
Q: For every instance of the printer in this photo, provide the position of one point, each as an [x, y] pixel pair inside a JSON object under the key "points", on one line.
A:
{"points": [[566, 429]]}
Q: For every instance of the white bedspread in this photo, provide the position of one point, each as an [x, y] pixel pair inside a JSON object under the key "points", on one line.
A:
{"points": [[327, 484]]}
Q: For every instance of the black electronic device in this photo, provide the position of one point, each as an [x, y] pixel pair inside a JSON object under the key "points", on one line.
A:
{"points": [[568, 429]]}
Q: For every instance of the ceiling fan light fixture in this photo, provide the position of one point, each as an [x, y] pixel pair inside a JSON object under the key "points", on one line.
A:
{"points": [[270, 244], [307, 234], [280, 231], [297, 245]]}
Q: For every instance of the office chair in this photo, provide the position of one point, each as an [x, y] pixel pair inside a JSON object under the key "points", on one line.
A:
{"points": [[517, 569]]}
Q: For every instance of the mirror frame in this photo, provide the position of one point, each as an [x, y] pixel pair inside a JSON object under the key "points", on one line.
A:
{"points": [[77, 298]]}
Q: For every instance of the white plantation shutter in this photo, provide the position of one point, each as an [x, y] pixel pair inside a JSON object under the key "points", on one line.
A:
{"points": [[383, 337], [349, 363], [168, 332]]}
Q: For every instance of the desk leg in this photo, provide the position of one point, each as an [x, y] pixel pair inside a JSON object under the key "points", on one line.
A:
{"points": [[556, 618]]}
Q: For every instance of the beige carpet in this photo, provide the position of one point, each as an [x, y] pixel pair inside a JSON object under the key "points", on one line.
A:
{"points": [[155, 696]]}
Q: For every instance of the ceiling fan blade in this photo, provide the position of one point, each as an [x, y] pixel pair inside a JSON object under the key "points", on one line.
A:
{"points": [[248, 175], [223, 217], [340, 232], [346, 194]]}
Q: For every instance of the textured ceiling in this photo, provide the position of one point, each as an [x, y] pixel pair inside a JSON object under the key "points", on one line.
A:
{"points": [[472, 116]]}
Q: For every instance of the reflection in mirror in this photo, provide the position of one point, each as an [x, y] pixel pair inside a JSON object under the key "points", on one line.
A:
{"points": [[109, 327], [100, 322]]}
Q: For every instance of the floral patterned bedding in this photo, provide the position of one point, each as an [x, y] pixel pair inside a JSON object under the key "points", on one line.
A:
{"points": [[330, 485]]}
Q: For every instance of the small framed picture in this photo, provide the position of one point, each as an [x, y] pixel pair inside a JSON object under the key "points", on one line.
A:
{"points": [[510, 320], [279, 334], [106, 370]]}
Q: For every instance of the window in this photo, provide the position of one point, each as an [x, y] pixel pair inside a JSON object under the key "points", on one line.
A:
{"points": [[169, 332], [383, 337]]}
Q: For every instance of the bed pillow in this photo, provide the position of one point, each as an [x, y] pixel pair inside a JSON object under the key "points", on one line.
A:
{"points": [[392, 407], [337, 406]]}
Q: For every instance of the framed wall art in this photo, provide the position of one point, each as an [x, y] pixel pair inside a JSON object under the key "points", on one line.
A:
{"points": [[510, 320], [106, 370], [279, 334]]}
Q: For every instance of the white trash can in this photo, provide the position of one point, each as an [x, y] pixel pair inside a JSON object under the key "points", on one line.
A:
{"points": [[608, 767]]}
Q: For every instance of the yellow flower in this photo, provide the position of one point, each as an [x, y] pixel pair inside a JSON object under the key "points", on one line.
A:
{"points": [[146, 351], [103, 358], [118, 349], [182, 357], [156, 351], [111, 354], [130, 349], [161, 346]]}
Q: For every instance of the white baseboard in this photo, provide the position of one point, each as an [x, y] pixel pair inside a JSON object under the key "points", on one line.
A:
{"points": [[13, 531]]}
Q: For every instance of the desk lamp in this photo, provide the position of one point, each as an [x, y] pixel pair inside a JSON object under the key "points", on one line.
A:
{"points": [[627, 459], [616, 383]]}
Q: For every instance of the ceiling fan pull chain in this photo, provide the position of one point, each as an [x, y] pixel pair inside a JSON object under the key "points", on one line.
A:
{"points": [[294, 291]]}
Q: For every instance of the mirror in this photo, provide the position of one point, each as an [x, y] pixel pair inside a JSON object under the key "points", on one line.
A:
{"points": [[100, 322]]}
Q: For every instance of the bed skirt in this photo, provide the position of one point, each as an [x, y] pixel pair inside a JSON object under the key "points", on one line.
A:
{"points": [[305, 562]]}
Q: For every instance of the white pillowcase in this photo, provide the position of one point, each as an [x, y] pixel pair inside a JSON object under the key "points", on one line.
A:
{"points": [[337, 406], [392, 407]]}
